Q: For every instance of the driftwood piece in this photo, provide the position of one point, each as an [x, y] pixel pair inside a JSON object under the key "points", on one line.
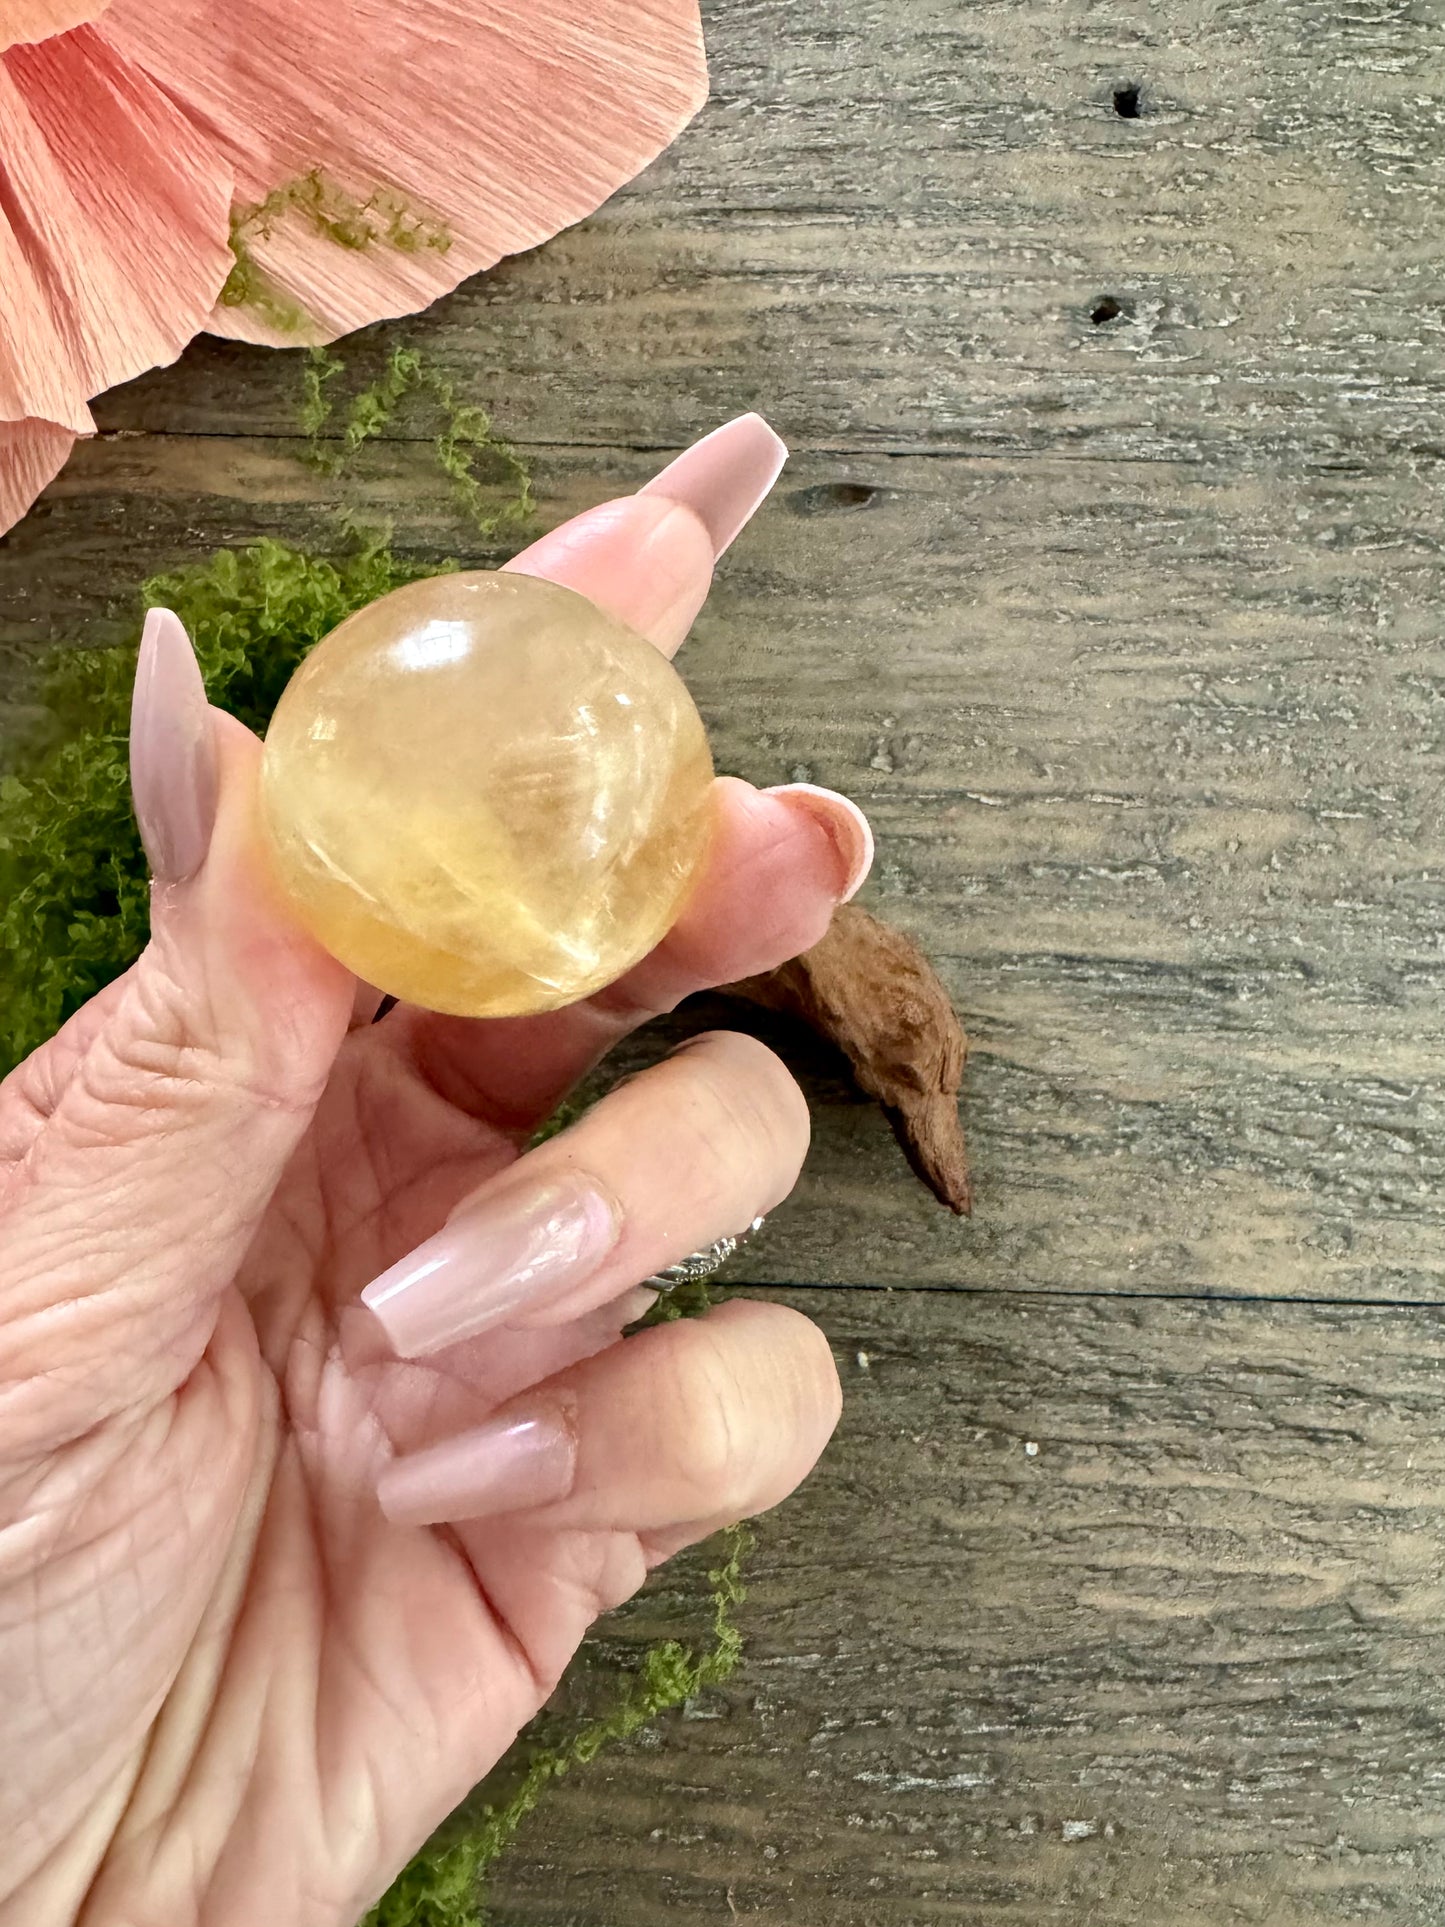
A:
{"points": [[869, 989], [1106, 575]]}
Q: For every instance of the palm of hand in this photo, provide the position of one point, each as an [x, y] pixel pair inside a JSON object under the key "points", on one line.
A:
{"points": [[233, 1681], [231, 1689], [310, 1633]]}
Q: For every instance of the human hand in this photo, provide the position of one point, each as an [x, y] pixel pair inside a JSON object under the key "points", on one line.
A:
{"points": [[282, 1570]]}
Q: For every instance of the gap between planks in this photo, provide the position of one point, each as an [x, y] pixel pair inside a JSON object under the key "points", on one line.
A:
{"points": [[1036, 1295]]}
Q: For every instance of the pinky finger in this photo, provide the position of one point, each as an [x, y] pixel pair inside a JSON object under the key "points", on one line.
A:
{"points": [[687, 1426]]}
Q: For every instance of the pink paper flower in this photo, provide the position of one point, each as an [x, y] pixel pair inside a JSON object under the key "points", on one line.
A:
{"points": [[287, 170]]}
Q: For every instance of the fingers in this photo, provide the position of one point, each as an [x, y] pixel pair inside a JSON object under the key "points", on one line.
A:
{"points": [[447, 1394], [192, 1090], [690, 1151], [668, 1435], [648, 558], [790, 855], [780, 863]]}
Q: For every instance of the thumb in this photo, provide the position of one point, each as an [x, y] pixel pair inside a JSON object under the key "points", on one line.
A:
{"points": [[142, 1192]]}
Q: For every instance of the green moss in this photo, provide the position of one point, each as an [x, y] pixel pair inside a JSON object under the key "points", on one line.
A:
{"points": [[381, 220], [73, 915], [561, 1120], [491, 482], [73, 895], [688, 1300], [442, 1886]]}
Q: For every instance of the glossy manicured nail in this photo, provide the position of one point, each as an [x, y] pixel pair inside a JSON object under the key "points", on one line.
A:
{"points": [[724, 477], [515, 1461], [172, 753], [644, 559], [847, 828], [516, 1246], [648, 558]]}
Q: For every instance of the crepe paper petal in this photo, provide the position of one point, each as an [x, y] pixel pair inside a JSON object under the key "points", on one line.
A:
{"points": [[22, 21], [387, 149], [113, 225], [31, 373], [31, 454]]}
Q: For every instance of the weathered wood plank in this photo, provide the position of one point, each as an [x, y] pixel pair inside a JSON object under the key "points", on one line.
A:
{"points": [[892, 225], [1118, 1611], [1157, 768], [1127, 632]]}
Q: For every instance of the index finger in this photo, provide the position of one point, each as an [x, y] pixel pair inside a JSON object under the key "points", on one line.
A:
{"points": [[648, 558], [791, 856]]}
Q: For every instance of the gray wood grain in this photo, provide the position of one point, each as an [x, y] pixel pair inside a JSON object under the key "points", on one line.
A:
{"points": [[1097, 1610], [1127, 631], [1157, 778], [893, 223]]}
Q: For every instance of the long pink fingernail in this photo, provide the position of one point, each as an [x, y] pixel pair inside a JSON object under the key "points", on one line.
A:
{"points": [[515, 1247], [518, 1459], [846, 827], [173, 777], [724, 477], [645, 559]]}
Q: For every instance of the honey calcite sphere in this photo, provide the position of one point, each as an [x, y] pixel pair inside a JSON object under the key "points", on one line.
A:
{"points": [[485, 796]]}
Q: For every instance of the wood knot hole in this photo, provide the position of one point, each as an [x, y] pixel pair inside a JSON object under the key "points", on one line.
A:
{"points": [[1106, 310], [1126, 102], [825, 497]]}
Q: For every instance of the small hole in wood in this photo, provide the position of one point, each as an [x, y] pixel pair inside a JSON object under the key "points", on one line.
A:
{"points": [[825, 497], [1126, 102], [1106, 310]]}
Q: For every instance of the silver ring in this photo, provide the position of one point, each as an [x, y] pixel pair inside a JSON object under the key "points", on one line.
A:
{"points": [[702, 1264]]}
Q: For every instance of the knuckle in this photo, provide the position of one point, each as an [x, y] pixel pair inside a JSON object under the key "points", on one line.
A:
{"points": [[171, 1053], [715, 1448], [819, 1372], [807, 1387], [751, 1101], [145, 1074]]}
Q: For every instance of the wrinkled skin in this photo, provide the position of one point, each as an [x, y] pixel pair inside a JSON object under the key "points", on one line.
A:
{"points": [[232, 1691]]}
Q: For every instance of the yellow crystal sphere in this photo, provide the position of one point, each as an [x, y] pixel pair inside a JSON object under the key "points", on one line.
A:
{"points": [[486, 796]]}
